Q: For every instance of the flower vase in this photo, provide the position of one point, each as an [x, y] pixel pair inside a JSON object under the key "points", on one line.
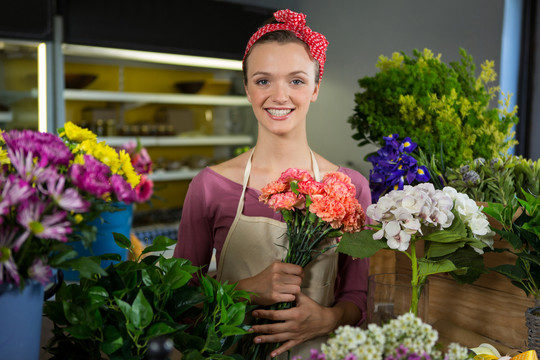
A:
{"points": [[532, 320], [390, 295], [21, 315], [107, 223]]}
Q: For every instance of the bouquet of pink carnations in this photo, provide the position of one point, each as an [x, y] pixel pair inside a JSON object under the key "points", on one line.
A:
{"points": [[313, 211]]}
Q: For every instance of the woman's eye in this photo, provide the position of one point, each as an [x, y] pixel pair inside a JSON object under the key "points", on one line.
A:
{"points": [[297, 82], [262, 82]]}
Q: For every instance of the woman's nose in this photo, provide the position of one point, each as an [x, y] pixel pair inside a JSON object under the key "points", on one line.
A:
{"points": [[280, 92]]}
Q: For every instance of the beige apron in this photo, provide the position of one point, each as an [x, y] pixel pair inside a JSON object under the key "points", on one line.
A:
{"points": [[252, 244]]}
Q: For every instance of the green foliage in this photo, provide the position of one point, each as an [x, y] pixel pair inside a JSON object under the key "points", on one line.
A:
{"points": [[498, 180], [436, 105], [523, 236], [116, 313]]}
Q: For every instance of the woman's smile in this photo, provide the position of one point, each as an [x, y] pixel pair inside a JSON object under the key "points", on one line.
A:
{"points": [[279, 114]]}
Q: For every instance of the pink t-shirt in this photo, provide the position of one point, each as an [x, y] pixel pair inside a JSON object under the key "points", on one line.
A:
{"points": [[209, 211]]}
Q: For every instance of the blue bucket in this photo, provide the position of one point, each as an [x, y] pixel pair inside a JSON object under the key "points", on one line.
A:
{"points": [[109, 222], [20, 315]]}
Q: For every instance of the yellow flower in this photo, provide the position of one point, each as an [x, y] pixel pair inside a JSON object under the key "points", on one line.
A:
{"points": [[127, 169], [78, 218], [4, 159], [77, 134]]}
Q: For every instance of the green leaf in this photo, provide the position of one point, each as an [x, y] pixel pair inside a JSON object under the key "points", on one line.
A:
{"points": [[87, 266], [159, 329], [97, 295], [212, 343], [235, 314], [430, 267], [74, 313], [177, 277], [141, 312], [360, 244], [112, 340], [80, 331], [121, 240], [229, 330], [160, 243], [512, 272], [442, 249], [192, 355], [124, 307], [444, 236]]}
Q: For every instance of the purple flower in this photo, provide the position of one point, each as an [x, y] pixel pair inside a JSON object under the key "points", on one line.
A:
{"points": [[123, 190], [92, 177], [30, 216], [392, 167], [68, 199], [401, 351], [40, 272], [351, 357], [14, 191], [48, 148], [315, 355]]}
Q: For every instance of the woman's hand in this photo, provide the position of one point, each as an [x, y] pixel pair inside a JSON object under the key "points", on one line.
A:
{"points": [[305, 321], [279, 282]]}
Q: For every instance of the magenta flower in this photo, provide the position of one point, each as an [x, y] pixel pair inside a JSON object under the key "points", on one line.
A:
{"points": [[92, 177], [144, 189], [48, 148], [40, 272], [122, 189], [140, 159], [14, 190]]}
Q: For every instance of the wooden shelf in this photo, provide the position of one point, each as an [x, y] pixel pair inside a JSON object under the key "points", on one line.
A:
{"points": [[156, 98], [211, 140]]}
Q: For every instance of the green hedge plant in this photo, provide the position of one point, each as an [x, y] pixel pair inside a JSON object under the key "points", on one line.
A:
{"points": [[115, 314], [438, 105]]}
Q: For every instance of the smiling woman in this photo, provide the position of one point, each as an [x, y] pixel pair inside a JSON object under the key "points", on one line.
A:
{"points": [[283, 67]]}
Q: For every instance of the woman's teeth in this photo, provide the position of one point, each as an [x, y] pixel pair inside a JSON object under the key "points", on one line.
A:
{"points": [[279, 112]]}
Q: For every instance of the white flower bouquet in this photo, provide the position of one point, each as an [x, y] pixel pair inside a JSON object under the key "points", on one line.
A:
{"points": [[403, 338], [452, 227]]}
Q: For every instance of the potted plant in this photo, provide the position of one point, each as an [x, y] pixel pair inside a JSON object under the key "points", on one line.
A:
{"points": [[117, 314], [52, 186], [523, 235], [446, 109]]}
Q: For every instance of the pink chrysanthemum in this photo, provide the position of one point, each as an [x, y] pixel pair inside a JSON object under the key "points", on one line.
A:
{"points": [[92, 177]]}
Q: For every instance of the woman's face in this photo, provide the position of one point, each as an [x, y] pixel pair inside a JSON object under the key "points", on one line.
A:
{"points": [[281, 85]]}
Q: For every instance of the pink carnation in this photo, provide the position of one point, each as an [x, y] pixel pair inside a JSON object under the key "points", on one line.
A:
{"points": [[293, 174], [311, 187], [286, 201], [275, 187]]}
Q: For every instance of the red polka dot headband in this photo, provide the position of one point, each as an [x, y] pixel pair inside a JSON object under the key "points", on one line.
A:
{"points": [[295, 22]]}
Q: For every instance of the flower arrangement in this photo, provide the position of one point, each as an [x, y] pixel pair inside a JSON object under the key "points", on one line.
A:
{"points": [[453, 229], [403, 338], [142, 163], [313, 211], [438, 105], [393, 166], [51, 187]]}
